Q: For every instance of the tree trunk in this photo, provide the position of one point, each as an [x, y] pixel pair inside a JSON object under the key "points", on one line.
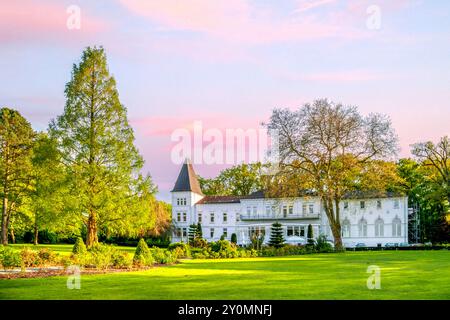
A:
{"points": [[92, 237], [5, 221], [336, 230], [36, 233], [13, 236], [335, 224]]}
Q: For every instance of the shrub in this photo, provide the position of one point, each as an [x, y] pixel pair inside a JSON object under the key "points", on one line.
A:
{"points": [[142, 255], [162, 256], [9, 258], [322, 245], [180, 250], [99, 256], [30, 258], [47, 256], [120, 259], [79, 247], [234, 238]]}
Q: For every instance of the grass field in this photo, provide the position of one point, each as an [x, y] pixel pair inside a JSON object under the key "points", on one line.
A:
{"points": [[404, 275]]}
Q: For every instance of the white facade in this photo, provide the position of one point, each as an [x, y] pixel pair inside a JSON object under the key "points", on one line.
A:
{"points": [[371, 221]]}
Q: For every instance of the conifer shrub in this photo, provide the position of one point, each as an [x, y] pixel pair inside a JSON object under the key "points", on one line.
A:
{"points": [[142, 255], [234, 238], [79, 247]]}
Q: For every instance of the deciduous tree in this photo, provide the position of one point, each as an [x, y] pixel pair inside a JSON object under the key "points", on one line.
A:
{"points": [[329, 145], [16, 140]]}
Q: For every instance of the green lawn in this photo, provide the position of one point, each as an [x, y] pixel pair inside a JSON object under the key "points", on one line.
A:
{"points": [[404, 275]]}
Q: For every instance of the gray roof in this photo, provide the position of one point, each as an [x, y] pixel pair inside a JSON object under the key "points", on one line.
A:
{"points": [[187, 180]]}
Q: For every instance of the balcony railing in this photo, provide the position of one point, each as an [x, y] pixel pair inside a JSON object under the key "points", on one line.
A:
{"points": [[278, 216]]}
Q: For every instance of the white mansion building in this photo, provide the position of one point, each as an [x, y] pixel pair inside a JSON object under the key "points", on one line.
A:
{"points": [[364, 219]]}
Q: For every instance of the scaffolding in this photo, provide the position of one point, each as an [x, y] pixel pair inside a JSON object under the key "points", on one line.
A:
{"points": [[414, 224]]}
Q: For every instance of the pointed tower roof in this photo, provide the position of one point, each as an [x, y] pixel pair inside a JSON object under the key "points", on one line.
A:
{"points": [[187, 179]]}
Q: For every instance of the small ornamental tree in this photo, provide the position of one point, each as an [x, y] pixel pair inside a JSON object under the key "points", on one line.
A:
{"points": [[276, 235], [199, 230], [310, 235], [142, 255], [234, 238], [192, 234], [79, 247]]}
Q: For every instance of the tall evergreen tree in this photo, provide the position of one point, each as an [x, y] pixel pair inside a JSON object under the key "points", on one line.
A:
{"points": [[276, 235], [16, 140], [199, 230], [97, 145]]}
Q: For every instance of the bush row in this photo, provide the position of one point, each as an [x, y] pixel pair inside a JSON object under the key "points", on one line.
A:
{"points": [[25, 258]]}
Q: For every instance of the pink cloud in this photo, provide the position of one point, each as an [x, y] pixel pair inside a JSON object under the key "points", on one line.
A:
{"points": [[239, 21], [30, 20]]}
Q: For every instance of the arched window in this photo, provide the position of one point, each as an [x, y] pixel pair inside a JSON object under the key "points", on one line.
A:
{"points": [[379, 227], [346, 228], [362, 227], [396, 227]]}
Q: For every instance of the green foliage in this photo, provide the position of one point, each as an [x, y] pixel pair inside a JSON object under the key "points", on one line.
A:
{"points": [[310, 235], [199, 231], [163, 256], [287, 250], [9, 258], [16, 141], [239, 180], [97, 144], [322, 245], [192, 233], [276, 235], [180, 250], [234, 238], [79, 247], [142, 255]]}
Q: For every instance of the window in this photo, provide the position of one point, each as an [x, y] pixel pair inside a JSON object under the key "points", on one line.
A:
{"points": [[274, 209], [211, 217], [225, 232], [225, 218], [396, 227], [181, 201], [199, 217], [255, 210], [304, 209], [362, 228], [346, 228], [249, 210], [178, 232], [379, 227], [396, 204], [311, 209], [178, 201], [211, 233], [362, 204], [178, 216], [297, 231], [184, 216], [284, 211], [184, 232], [378, 204], [345, 205], [267, 210], [256, 231], [291, 209]]}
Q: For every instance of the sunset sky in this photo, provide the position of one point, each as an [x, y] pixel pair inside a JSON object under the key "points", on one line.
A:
{"points": [[229, 63]]}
